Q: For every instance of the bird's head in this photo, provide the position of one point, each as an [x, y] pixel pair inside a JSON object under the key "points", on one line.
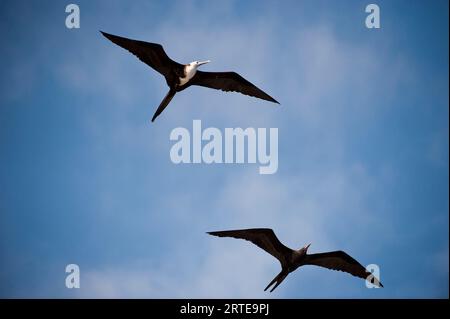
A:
{"points": [[305, 248], [196, 64]]}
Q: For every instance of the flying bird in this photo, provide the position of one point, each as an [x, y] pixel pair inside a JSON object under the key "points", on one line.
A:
{"points": [[291, 259], [180, 76]]}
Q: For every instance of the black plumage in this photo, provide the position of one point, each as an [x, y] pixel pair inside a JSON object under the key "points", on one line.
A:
{"points": [[290, 259], [181, 76]]}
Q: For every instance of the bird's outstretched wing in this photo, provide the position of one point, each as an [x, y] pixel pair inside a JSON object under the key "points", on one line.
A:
{"points": [[339, 260], [264, 238], [152, 54], [229, 81]]}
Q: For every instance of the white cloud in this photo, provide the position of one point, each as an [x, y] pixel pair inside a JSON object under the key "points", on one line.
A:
{"points": [[301, 209]]}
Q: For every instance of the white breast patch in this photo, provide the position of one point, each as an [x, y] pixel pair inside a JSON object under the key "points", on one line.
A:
{"points": [[190, 72]]}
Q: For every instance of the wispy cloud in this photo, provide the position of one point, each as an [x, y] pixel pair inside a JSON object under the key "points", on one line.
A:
{"points": [[344, 181]]}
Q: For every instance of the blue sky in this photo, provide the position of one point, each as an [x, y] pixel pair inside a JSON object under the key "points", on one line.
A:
{"points": [[85, 177]]}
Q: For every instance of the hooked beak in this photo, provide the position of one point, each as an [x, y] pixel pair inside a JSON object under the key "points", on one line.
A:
{"points": [[203, 62]]}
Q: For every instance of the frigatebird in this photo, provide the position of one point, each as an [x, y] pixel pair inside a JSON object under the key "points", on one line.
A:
{"points": [[291, 259], [181, 76]]}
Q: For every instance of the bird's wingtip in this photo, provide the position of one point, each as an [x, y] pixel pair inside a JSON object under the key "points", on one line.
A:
{"points": [[213, 233], [106, 35], [275, 101]]}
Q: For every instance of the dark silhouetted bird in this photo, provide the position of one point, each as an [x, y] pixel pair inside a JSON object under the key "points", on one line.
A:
{"points": [[291, 259], [181, 76]]}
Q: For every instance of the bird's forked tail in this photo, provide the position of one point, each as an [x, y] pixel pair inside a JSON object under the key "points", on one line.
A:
{"points": [[164, 103], [278, 279]]}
